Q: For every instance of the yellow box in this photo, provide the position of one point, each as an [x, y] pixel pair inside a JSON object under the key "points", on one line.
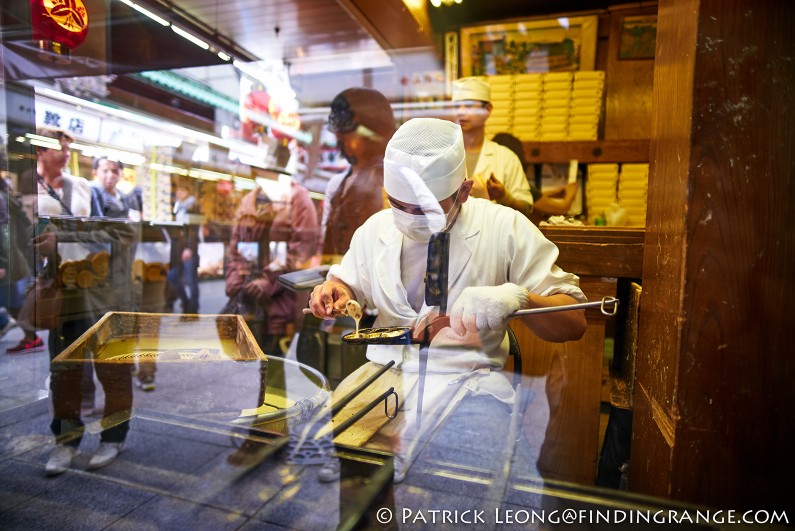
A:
{"points": [[553, 77], [589, 75]]}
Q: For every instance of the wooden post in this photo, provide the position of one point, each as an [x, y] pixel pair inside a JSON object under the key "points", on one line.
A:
{"points": [[714, 400]]}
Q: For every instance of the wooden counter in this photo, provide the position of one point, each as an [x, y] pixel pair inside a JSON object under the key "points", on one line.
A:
{"points": [[567, 377], [599, 251]]}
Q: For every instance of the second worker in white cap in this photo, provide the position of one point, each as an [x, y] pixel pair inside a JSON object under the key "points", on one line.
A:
{"points": [[499, 262], [496, 171]]}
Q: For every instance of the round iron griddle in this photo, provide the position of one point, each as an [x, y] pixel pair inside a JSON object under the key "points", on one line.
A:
{"points": [[387, 335]]}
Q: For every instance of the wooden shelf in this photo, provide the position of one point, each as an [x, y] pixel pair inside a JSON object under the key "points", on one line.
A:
{"points": [[599, 251], [588, 152]]}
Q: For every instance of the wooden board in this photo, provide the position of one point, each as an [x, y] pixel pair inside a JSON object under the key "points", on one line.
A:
{"points": [[599, 251], [587, 151]]}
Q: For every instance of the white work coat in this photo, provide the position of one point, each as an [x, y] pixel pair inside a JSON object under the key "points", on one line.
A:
{"points": [[489, 246], [506, 167]]}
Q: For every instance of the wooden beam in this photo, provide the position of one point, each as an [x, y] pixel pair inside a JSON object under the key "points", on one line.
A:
{"points": [[714, 415], [588, 152], [599, 251], [394, 24]]}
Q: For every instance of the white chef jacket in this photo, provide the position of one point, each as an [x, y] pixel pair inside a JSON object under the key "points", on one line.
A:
{"points": [[498, 159], [489, 246]]}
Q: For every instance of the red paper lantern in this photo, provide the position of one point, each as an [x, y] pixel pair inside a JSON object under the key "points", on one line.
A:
{"points": [[258, 100], [59, 25], [287, 119]]}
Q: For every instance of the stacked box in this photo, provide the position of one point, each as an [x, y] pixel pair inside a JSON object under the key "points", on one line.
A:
{"points": [[502, 99], [555, 106], [586, 105], [600, 189], [528, 105], [516, 101], [555, 111], [633, 184]]}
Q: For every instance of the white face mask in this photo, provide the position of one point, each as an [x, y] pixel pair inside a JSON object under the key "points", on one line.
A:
{"points": [[420, 227]]}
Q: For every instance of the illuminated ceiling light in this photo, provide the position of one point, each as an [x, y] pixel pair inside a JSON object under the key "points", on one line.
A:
{"points": [[564, 22], [47, 145], [224, 57], [208, 175], [168, 168], [44, 141], [248, 70], [146, 12], [244, 183], [436, 3], [126, 157], [169, 131], [192, 38]]}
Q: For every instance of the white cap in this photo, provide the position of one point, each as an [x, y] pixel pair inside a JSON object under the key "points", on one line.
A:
{"points": [[431, 149], [471, 88]]}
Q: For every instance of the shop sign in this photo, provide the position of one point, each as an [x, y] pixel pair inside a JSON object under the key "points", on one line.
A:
{"points": [[118, 133], [62, 21], [67, 118]]}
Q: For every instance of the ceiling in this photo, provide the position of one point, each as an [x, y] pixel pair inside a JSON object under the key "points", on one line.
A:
{"points": [[296, 30], [329, 45], [326, 45], [288, 30]]}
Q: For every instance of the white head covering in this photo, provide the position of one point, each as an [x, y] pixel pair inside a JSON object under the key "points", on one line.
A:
{"points": [[431, 149], [471, 88]]}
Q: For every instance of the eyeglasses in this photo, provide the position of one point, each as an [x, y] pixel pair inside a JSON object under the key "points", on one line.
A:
{"points": [[415, 210]]}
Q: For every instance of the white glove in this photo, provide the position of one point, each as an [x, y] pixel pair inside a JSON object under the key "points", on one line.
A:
{"points": [[486, 307]]}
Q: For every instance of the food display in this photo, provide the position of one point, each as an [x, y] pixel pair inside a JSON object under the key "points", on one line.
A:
{"points": [[86, 273], [148, 272], [386, 335]]}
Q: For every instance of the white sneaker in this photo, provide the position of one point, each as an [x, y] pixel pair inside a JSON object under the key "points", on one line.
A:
{"points": [[401, 468], [105, 455], [11, 324], [60, 459], [145, 383], [330, 471]]}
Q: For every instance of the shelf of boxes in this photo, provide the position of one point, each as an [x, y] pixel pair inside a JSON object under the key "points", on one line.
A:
{"points": [[633, 184], [587, 91], [556, 97], [601, 189], [550, 107]]}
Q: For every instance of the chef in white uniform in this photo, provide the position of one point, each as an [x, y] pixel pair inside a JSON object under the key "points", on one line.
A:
{"points": [[499, 262], [497, 172]]}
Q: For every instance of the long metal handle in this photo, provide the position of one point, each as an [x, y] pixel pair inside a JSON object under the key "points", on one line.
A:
{"points": [[362, 412], [602, 305], [340, 404]]}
